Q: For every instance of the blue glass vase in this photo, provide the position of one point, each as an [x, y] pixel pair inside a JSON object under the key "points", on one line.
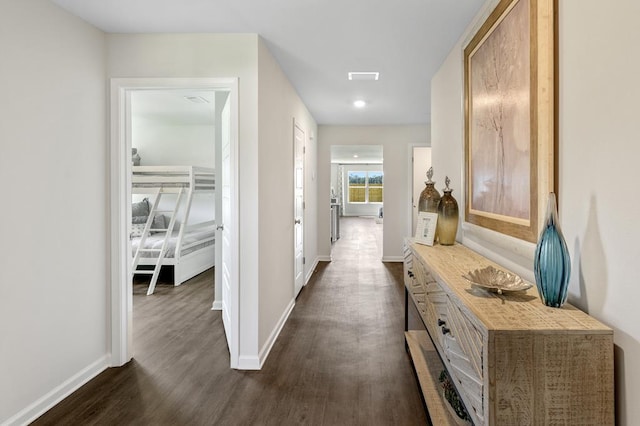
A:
{"points": [[551, 264]]}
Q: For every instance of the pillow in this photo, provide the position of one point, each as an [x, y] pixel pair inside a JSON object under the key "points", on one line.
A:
{"points": [[159, 222], [137, 229], [141, 208], [139, 219]]}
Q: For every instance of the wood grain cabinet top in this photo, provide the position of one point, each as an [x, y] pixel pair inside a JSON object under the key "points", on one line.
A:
{"points": [[514, 361]]}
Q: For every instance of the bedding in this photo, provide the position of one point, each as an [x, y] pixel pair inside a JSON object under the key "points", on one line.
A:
{"points": [[155, 240]]}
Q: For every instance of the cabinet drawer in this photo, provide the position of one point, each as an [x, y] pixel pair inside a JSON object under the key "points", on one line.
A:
{"points": [[462, 349], [408, 266], [436, 315]]}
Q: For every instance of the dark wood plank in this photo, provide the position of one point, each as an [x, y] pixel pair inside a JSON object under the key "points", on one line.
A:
{"points": [[340, 359]]}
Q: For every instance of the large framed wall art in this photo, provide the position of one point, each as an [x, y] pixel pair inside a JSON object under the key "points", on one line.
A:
{"points": [[510, 118]]}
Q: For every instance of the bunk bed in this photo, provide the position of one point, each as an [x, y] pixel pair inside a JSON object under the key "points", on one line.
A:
{"points": [[157, 239]]}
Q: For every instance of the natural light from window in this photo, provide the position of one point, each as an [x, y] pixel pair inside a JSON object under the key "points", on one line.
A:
{"points": [[366, 187]]}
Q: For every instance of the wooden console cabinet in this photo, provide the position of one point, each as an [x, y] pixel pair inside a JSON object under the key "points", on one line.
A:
{"points": [[513, 360]]}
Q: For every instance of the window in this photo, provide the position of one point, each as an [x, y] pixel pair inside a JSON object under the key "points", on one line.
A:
{"points": [[365, 187]]}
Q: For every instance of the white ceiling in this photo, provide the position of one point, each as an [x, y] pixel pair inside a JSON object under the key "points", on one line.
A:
{"points": [[356, 154], [175, 106], [317, 42]]}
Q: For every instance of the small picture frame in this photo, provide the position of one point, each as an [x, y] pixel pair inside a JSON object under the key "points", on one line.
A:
{"points": [[426, 228]]}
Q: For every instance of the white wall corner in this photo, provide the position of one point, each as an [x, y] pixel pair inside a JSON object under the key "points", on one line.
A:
{"points": [[55, 396], [217, 305]]}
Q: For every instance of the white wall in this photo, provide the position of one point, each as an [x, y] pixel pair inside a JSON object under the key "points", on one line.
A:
{"points": [[265, 162], [278, 106], [53, 162], [598, 149], [210, 56], [397, 142], [161, 142]]}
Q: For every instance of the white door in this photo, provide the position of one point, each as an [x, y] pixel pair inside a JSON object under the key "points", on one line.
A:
{"points": [[298, 202], [421, 163], [226, 230]]}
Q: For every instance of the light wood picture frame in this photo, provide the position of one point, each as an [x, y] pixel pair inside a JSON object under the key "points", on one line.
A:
{"points": [[426, 228], [510, 118]]}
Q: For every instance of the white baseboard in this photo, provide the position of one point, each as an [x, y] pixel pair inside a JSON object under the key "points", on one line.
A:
{"points": [[324, 258], [311, 271], [249, 363], [266, 348], [393, 259], [49, 400], [217, 305]]}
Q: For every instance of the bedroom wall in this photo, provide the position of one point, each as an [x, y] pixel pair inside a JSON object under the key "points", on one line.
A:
{"points": [[207, 56], [598, 149], [397, 142], [278, 106], [54, 275], [161, 142]]}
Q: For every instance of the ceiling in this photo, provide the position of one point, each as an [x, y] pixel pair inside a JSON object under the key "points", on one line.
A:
{"points": [[356, 154], [175, 106], [317, 42]]}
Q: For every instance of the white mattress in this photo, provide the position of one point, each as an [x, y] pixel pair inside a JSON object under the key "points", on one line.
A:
{"points": [[154, 241]]}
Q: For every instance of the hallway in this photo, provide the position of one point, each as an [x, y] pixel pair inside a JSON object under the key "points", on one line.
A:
{"points": [[340, 358]]}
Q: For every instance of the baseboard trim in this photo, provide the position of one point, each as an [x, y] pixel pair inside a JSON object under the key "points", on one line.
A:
{"points": [[55, 396], [311, 271], [248, 363], [217, 305], [268, 345], [393, 259], [324, 258]]}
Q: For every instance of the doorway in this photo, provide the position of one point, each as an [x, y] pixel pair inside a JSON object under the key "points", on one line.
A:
{"points": [[298, 203], [421, 161], [122, 91], [357, 192]]}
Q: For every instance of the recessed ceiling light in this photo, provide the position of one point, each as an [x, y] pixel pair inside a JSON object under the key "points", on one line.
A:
{"points": [[359, 103], [355, 155], [364, 75]]}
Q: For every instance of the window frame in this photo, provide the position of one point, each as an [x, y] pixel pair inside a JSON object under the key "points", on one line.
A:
{"points": [[366, 186]]}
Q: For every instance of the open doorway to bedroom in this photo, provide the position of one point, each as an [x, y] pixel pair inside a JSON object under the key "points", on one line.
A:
{"points": [[174, 201], [357, 201], [173, 226], [173, 141]]}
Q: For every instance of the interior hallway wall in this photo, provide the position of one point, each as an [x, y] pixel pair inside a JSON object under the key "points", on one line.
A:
{"points": [[53, 161], [211, 56], [279, 106], [598, 149]]}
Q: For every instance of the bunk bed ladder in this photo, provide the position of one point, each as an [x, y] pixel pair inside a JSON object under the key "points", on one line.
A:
{"points": [[161, 252]]}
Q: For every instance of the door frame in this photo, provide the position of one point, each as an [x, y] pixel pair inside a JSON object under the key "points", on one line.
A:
{"points": [[298, 126], [121, 291]]}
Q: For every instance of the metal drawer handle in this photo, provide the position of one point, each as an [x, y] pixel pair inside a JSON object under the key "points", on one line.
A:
{"points": [[445, 330], [441, 323]]}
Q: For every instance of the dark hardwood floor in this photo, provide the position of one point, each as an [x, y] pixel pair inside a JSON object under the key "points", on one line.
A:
{"points": [[340, 359]]}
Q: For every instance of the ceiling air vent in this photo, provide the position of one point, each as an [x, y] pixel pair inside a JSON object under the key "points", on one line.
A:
{"points": [[197, 99], [362, 75]]}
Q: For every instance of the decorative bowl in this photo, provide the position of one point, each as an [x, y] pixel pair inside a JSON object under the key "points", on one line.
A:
{"points": [[496, 280]]}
